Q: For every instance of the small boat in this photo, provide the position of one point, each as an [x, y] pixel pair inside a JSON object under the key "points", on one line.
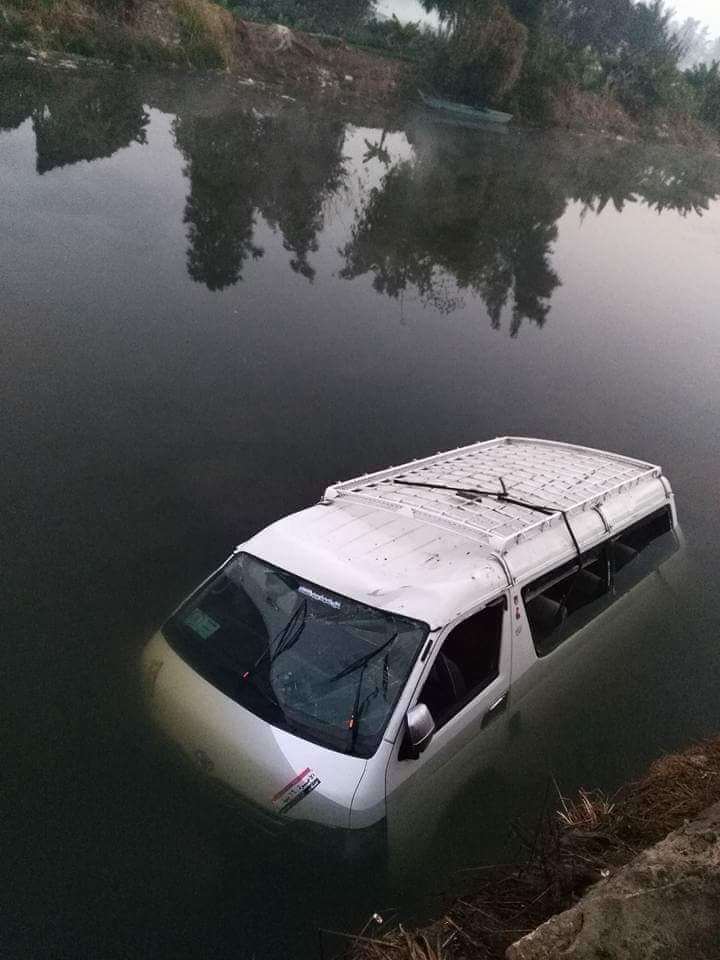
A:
{"points": [[463, 112]]}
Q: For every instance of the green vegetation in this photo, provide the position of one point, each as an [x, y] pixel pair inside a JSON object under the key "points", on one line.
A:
{"points": [[528, 55], [192, 32], [623, 65], [201, 35], [481, 56], [409, 40], [704, 81]]}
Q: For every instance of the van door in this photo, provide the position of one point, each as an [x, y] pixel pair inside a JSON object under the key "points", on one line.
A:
{"points": [[466, 687]]}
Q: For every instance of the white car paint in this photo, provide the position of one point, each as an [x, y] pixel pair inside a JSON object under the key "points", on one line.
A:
{"points": [[255, 759]]}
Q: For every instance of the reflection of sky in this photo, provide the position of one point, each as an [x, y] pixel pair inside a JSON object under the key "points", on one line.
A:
{"points": [[665, 288]]}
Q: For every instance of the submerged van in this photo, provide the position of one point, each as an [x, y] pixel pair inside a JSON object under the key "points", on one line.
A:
{"points": [[341, 658]]}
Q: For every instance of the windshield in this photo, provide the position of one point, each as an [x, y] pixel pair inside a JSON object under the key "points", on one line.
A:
{"points": [[305, 659]]}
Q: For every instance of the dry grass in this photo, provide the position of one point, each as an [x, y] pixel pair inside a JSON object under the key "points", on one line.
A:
{"points": [[586, 812], [583, 109], [69, 25], [201, 33], [208, 33], [589, 837], [675, 788]]}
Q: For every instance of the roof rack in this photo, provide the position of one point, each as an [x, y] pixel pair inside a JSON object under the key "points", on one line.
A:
{"points": [[539, 483]]}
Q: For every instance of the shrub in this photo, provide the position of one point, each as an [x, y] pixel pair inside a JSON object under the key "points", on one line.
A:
{"points": [[482, 58], [704, 81], [206, 33], [401, 39]]}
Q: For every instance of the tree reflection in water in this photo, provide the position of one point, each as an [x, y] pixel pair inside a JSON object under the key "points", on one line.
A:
{"points": [[304, 167], [661, 177], [465, 214], [224, 170], [21, 90], [100, 119], [241, 164], [455, 214], [86, 118], [477, 213]]}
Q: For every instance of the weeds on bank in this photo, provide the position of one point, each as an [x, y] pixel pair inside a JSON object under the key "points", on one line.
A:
{"points": [[195, 32], [204, 34], [588, 811], [588, 838]]}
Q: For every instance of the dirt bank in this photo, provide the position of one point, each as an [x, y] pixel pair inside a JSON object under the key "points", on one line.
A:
{"points": [[602, 841], [664, 904], [198, 34]]}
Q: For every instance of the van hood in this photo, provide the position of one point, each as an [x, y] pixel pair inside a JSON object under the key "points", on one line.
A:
{"points": [[284, 775]]}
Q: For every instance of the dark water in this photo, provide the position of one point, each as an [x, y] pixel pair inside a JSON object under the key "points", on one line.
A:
{"points": [[214, 302]]}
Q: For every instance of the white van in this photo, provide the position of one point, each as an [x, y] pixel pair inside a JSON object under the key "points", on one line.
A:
{"points": [[345, 654]]}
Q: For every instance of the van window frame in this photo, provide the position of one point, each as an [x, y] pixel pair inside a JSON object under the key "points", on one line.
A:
{"points": [[557, 574], [606, 546], [500, 601], [651, 518]]}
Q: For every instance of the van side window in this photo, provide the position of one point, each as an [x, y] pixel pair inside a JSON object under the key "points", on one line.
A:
{"points": [[641, 549], [467, 663], [563, 601]]}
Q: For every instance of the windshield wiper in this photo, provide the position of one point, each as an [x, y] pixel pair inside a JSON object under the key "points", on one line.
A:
{"points": [[285, 639], [289, 635], [362, 661], [290, 638], [358, 710], [471, 493], [353, 724], [502, 496]]}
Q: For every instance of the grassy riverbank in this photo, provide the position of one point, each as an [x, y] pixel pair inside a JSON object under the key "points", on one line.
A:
{"points": [[196, 34], [201, 34], [193, 32], [590, 837]]}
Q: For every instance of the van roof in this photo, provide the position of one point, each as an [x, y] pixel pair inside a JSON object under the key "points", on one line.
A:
{"points": [[434, 537]]}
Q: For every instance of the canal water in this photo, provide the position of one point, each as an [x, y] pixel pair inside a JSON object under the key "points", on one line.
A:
{"points": [[214, 302]]}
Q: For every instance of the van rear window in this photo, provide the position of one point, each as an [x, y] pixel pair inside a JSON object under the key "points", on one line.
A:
{"points": [[303, 658], [641, 549], [559, 603]]}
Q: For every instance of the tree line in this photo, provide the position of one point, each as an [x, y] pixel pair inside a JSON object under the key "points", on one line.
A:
{"points": [[443, 224], [527, 55]]}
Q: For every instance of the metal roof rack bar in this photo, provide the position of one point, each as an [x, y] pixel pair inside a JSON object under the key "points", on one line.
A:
{"points": [[538, 475]]}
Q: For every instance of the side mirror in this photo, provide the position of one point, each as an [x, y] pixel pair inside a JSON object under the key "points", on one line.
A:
{"points": [[420, 728]]}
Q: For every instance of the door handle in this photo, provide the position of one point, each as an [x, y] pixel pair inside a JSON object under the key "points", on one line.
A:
{"points": [[495, 709]]}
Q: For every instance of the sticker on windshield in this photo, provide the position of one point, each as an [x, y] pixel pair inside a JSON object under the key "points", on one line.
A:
{"points": [[320, 597], [201, 624], [293, 792]]}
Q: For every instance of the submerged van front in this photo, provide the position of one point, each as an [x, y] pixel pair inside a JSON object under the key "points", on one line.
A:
{"points": [[347, 666], [280, 688]]}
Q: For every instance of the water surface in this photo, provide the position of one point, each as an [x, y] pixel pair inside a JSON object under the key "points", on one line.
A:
{"points": [[217, 301]]}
